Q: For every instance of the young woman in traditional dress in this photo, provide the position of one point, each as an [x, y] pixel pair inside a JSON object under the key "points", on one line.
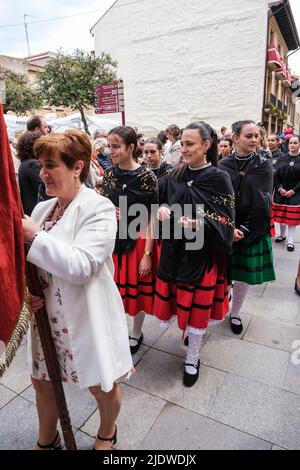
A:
{"points": [[192, 280], [286, 205], [130, 183], [252, 180]]}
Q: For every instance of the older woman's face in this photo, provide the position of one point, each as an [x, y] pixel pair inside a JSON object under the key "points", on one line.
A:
{"points": [[60, 181]]}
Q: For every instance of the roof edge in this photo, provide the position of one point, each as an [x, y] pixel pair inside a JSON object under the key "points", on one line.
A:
{"points": [[101, 17]]}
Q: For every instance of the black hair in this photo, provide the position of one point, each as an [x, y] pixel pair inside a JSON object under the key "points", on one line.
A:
{"points": [[129, 136], [238, 126], [206, 132], [227, 139], [25, 145], [156, 141], [295, 135], [33, 123], [162, 137]]}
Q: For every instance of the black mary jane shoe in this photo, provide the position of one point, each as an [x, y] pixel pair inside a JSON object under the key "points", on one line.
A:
{"points": [[290, 247], [190, 379], [236, 329], [134, 349], [280, 239], [112, 439], [55, 445], [297, 289]]}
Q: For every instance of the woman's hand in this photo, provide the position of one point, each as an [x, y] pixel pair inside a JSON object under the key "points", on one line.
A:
{"points": [[282, 192], [30, 227], [163, 213], [289, 194], [238, 235], [118, 213], [145, 266], [35, 304], [186, 222]]}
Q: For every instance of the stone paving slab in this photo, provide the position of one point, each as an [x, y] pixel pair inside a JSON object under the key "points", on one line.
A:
{"points": [[292, 383], [6, 395], [137, 416], [224, 327], [81, 403], [172, 343], [160, 374], [276, 304], [16, 376], [249, 360], [260, 410], [19, 425], [180, 429], [274, 334]]}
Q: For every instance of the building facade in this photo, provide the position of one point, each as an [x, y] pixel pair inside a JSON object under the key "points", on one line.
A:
{"points": [[280, 111], [182, 61]]}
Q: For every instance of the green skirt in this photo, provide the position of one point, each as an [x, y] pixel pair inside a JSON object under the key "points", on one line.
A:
{"points": [[253, 264]]}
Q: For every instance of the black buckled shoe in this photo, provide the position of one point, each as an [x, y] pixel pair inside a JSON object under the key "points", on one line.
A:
{"points": [[290, 247], [280, 239], [297, 289], [190, 379], [236, 329], [134, 349]]}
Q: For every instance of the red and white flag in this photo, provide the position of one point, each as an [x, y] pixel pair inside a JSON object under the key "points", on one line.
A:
{"points": [[13, 313]]}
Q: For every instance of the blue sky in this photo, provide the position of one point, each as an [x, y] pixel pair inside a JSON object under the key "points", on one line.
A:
{"points": [[66, 33]]}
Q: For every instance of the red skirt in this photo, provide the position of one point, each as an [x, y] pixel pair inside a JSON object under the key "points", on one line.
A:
{"points": [[288, 215], [272, 224], [137, 294], [196, 305]]}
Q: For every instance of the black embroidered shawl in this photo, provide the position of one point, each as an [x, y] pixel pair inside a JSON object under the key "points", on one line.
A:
{"points": [[253, 194], [139, 187], [212, 188]]}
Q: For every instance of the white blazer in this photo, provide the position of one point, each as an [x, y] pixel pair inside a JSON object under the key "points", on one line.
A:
{"points": [[79, 256]]}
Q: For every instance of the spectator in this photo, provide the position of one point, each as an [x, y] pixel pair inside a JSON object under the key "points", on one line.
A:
{"points": [[29, 171], [103, 157], [174, 154], [38, 124]]}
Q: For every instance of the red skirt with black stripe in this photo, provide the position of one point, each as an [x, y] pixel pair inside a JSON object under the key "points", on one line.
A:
{"points": [[288, 215], [137, 293], [196, 305], [272, 224]]}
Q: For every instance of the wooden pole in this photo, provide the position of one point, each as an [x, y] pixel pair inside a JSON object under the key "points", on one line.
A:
{"points": [[50, 355]]}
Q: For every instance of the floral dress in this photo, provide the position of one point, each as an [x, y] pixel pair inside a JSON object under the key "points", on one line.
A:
{"points": [[54, 304]]}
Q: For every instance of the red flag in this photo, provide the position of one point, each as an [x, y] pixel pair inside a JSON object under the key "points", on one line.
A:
{"points": [[13, 315]]}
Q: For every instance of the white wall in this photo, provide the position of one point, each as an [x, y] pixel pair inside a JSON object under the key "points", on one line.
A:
{"points": [[183, 60]]}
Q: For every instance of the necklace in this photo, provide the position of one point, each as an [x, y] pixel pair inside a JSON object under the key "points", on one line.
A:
{"points": [[201, 167]]}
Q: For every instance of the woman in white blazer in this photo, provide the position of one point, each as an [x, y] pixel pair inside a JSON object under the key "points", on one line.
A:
{"points": [[72, 238]]}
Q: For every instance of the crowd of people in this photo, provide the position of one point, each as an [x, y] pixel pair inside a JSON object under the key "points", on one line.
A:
{"points": [[174, 225]]}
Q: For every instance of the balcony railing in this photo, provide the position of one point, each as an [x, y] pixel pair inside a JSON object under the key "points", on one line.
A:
{"points": [[276, 63], [275, 107]]}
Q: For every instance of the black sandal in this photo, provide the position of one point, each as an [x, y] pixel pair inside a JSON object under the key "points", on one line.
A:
{"points": [[280, 239], [55, 445], [134, 349], [236, 329], [113, 439]]}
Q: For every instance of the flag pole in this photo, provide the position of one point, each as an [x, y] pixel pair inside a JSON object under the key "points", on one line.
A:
{"points": [[50, 355]]}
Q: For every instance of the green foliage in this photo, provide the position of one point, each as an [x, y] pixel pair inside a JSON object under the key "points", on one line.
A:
{"points": [[20, 96], [69, 79]]}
